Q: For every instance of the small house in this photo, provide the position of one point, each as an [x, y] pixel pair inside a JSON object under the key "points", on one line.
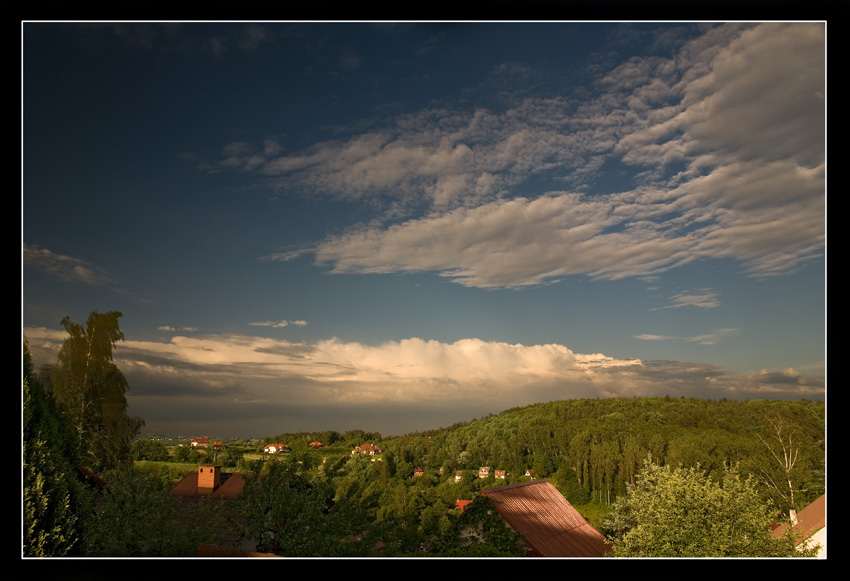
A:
{"points": [[370, 449], [275, 448]]}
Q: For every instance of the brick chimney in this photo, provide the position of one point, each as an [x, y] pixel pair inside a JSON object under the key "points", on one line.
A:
{"points": [[209, 477]]}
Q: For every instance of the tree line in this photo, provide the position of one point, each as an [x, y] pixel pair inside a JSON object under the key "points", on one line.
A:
{"points": [[593, 449]]}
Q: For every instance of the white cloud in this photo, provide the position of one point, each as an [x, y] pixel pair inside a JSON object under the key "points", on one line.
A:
{"points": [[703, 300], [744, 119], [714, 337], [711, 338], [727, 137], [513, 243], [233, 376], [64, 267], [650, 337], [278, 324]]}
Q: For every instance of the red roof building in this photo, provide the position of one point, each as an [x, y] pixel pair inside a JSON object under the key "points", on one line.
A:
{"points": [[370, 449], [549, 524], [209, 481], [275, 448], [809, 525]]}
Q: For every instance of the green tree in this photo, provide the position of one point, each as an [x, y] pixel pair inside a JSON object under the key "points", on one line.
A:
{"points": [[186, 455], [293, 515], [680, 512], [480, 532], [89, 388], [54, 501], [790, 464], [149, 450], [136, 518]]}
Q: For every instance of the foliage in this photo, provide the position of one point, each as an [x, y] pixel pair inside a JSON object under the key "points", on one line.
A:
{"points": [[294, 515], [149, 450], [89, 389], [681, 512], [136, 518], [792, 465], [481, 532], [53, 500], [186, 454], [604, 441]]}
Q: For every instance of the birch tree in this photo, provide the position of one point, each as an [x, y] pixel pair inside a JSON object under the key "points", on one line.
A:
{"points": [[89, 388]]}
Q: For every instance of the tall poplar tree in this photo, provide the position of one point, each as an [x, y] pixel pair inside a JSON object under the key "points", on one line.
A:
{"points": [[89, 388]]}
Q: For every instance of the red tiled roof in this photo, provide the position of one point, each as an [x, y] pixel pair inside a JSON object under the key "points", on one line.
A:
{"points": [[550, 526], [809, 521], [230, 487], [461, 504]]}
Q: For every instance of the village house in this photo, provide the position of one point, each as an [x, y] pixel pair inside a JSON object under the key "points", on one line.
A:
{"points": [[484, 472], [370, 449], [458, 475], [809, 526], [275, 448], [200, 442], [418, 472], [500, 474], [210, 482], [316, 445], [549, 524]]}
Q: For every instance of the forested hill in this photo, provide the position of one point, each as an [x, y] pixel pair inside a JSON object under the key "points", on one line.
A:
{"points": [[594, 447]]}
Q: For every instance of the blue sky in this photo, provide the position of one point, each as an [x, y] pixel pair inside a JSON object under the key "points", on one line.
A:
{"points": [[398, 226]]}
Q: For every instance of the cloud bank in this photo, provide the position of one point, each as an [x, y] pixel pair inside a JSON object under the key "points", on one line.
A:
{"points": [[217, 383]]}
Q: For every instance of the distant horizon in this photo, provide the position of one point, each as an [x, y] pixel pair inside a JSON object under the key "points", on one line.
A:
{"points": [[394, 226]]}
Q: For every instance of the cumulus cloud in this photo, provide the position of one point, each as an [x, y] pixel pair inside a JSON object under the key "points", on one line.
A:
{"points": [[230, 377]]}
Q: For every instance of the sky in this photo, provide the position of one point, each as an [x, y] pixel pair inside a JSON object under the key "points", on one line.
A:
{"points": [[399, 226]]}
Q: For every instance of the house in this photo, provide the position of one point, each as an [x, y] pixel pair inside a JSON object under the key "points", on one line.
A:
{"points": [[211, 482], [370, 449], [219, 445], [202, 442], [458, 475], [275, 448], [418, 472], [316, 445], [484, 472], [549, 524], [500, 474], [809, 525]]}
